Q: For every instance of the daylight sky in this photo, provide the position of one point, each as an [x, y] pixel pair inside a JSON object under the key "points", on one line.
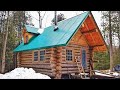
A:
{"points": [[49, 15]]}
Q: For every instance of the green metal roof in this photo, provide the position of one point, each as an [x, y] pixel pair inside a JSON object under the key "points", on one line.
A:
{"points": [[50, 38], [31, 29]]}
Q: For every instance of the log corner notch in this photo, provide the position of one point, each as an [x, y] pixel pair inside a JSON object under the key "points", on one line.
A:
{"points": [[56, 62]]}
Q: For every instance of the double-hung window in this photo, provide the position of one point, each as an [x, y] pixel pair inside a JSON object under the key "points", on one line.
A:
{"points": [[69, 55], [36, 56], [42, 55]]}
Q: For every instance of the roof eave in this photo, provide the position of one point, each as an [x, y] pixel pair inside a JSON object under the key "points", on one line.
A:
{"points": [[41, 48], [99, 30]]}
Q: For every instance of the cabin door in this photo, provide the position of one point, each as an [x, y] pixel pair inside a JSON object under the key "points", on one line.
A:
{"points": [[84, 59]]}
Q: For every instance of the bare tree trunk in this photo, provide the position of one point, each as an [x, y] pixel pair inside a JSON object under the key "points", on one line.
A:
{"points": [[119, 31], [4, 46], [110, 38], [40, 21]]}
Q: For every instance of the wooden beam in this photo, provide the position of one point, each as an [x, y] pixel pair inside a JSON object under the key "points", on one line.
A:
{"points": [[84, 38], [93, 20], [90, 31], [97, 45], [79, 38]]}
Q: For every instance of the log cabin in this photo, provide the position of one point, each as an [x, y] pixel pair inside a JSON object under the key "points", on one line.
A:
{"points": [[67, 50]]}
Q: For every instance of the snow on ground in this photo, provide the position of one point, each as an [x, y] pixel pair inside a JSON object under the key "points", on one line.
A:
{"points": [[116, 74], [108, 73], [96, 73], [23, 73]]}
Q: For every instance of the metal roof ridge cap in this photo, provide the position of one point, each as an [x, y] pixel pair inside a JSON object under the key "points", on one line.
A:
{"points": [[74, 16]]}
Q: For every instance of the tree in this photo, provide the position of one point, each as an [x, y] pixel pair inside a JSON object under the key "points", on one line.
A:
{"points": [[119, 29], [4, 44], [40, 18], [60, 17], [111, 32], [102, 59], [10, 35], [110, 38]]}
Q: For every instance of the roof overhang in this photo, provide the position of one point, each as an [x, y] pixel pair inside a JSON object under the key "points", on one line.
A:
{"points": [[92, 34]]}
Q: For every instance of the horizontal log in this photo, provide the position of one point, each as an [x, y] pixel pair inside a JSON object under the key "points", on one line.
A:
{"points": [[41, 63], [25, 59], [43, 70], [67, 72], [63, 57], [26, 53], [47, 59], [68, 66], [58, 64], [63, 47], [37, 66], [50, 49], [25, 63], [46, 73], [70, 69], [48, 53], [77, 49], [68, 62], [53, 65]]}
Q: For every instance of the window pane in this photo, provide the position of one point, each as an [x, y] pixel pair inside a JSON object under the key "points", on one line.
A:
{"points": [[36, 56], [69, 55], [42, 55]]}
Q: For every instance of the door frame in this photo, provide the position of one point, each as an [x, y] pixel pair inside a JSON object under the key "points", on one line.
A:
{"points": [[85, 59]]}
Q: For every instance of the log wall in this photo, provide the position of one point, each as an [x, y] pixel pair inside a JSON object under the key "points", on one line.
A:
{"points": [[71, 66], [26, 59], [77, 43]]}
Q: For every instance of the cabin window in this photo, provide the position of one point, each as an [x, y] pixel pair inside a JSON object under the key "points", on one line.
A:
{"points": [[69, 55], [42, 55], [26, 39], [36, 56]]}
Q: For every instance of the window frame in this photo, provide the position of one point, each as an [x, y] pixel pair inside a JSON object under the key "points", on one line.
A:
{"points": [[38, 61], [72, 54], [42, 55], [84, 48], [37, 55]]}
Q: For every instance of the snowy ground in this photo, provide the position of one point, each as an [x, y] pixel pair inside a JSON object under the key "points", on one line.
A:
{"points": [[108, 74], [23, 73]]}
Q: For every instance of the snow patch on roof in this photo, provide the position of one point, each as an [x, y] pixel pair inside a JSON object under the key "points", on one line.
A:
{"points": [[40, 30]]}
